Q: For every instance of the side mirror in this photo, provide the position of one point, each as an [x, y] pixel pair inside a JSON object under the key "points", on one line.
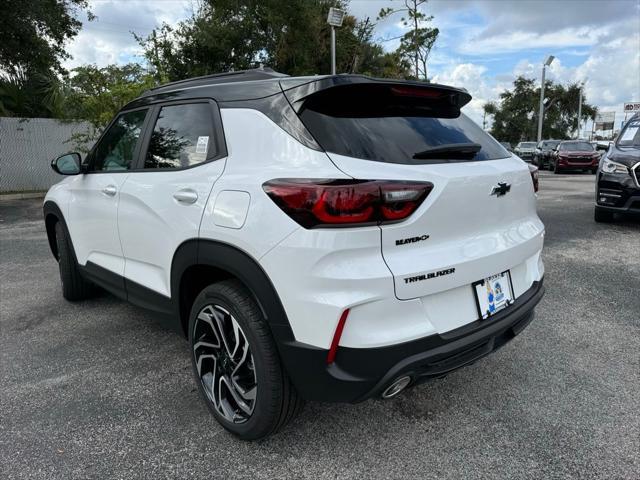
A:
{"points": [[68, 164]]}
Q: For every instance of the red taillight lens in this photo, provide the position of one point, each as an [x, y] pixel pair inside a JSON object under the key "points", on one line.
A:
{"points": [[318, 202]]}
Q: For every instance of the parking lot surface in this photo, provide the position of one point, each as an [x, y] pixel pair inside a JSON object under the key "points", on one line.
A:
{"points": [[99, 389]]}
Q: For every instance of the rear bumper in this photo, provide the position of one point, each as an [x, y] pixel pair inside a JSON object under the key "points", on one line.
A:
{"points": [[361, 373]]}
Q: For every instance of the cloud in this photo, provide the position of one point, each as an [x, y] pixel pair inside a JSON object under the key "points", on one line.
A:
{"points": [[483, 44], [108, 39]]}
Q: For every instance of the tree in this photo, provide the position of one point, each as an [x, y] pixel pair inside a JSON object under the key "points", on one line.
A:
{"points": [[417, 43], [291, 37], [32, 40], [515, 115], [97, 94]]}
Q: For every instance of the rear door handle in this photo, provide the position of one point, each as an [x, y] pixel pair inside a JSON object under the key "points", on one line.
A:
{"points": [[110, 190], [186, 196]]}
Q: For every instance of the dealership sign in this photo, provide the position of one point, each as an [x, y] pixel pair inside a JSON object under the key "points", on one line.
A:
{"points": [[605, 120], [632, 107]]}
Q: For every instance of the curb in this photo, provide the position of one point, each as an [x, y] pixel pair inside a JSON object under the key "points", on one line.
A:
{"points": [[21, 196]]}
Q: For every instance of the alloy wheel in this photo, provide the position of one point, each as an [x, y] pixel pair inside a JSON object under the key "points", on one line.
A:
{"points": [[224, 363]]}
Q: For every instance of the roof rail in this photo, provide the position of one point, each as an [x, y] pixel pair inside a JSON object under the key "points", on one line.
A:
{"points": [[226, 77]]}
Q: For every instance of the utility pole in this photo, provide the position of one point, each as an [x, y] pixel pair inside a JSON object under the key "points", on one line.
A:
{"points": [[547, 62], [579, 111], [333, 50], [335, 18]]}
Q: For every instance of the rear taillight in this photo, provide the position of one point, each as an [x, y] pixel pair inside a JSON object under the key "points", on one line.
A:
{"points": [[324, 202]]}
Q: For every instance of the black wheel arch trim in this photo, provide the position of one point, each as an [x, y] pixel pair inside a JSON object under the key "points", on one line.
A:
{"points": [[239, 264], [51, 209]]}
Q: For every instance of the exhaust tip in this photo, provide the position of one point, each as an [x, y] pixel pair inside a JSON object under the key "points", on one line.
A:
{"points": [[396, 387]]}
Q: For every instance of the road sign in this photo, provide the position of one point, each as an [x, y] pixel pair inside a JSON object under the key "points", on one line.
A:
{"points": [[631, 107]]}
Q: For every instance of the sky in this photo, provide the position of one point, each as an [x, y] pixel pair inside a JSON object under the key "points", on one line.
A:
{"points": [[483, 44]]}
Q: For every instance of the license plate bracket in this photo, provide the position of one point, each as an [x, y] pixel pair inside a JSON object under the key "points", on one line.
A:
{"points": [[493, 294]]}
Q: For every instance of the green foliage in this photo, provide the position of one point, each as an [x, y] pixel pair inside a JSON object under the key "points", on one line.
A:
{"points": [[292, 37], [515, 117], [417, 43], [33, 34], [32, 41], [37, 95], [97, 94]]}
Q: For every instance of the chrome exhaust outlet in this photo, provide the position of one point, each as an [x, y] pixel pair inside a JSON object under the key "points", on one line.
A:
{"points": [[396, 387]]}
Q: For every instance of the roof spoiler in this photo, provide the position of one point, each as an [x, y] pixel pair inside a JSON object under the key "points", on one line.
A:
{"points": [[431, 98]]}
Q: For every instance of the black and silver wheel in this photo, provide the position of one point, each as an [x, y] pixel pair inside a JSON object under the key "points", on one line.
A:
{"points": [[224, 363], [236, 363], [74, 285]]}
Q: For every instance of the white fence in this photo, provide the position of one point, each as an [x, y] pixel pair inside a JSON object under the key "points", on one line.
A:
{"points": [[27, 146]]}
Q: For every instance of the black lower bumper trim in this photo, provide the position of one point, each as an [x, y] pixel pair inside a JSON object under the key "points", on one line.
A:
{"points": [[361, 373]]}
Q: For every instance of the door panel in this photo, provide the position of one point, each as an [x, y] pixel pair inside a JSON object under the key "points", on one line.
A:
{"points": [[94, 196], [92, 220], [162, 203], [153, 223]]}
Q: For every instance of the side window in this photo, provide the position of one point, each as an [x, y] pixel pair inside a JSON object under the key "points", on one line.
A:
{"points": [[117, 147], [182, 137]]}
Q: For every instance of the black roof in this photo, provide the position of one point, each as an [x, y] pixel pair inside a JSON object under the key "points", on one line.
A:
{"points": [[217, 79], [259, 83]]}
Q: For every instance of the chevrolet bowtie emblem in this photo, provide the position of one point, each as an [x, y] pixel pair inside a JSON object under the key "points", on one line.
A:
{"points": [[501, 189]]}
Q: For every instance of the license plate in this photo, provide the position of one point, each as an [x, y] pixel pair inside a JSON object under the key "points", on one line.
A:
{"points": [[493, 294]]}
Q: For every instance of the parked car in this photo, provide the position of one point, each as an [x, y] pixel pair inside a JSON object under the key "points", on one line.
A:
{"points": [[618, 177], [525, 150], [543, 152], [574, 155], [507, 146], [311, 244]]}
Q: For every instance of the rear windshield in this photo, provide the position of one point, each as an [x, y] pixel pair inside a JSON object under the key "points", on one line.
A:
{"points": [[577, 147], [389, 130]]}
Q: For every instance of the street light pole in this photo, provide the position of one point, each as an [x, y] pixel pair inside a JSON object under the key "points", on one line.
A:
{"points": [[333, 50], [579, 109], [541, 111], [335, 18]]}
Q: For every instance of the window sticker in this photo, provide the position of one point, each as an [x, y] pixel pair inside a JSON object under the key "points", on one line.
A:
{"points": [[202, 145], [629, 133]]}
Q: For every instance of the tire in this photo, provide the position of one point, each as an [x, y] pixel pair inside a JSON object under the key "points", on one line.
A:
{"points": [[255, 397], [74, 286], [594, 171], [556, 169], [602, 216]]}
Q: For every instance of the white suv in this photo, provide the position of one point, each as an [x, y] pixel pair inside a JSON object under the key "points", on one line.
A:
{"points": [[327, 238]]}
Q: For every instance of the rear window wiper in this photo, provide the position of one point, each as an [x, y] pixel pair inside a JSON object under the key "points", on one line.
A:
{"points": [[450, 151]]}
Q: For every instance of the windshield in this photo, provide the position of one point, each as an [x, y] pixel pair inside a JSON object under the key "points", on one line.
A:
{"points": [[630, 136], [527, 145], [549, 145], [576, 147]]}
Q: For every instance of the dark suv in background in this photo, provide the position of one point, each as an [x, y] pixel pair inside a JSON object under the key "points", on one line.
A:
{"points": [[542, 153], [618, 179]]}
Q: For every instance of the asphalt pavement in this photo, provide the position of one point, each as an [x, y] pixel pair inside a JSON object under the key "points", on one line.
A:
{"points": [[99, 389]]}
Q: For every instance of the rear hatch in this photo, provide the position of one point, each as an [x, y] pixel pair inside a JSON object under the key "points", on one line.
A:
{"points": [[480, 217]]}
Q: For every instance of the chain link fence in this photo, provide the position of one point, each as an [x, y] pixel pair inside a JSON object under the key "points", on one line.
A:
{"points": [[27, 146]]}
